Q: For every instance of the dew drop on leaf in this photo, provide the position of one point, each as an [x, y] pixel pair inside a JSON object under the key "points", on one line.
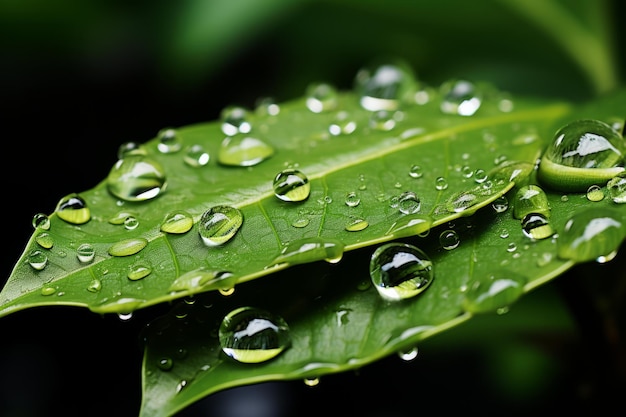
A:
{"points": [[385, 87], [41, 221], [400, 271], [85, 252], [536, 226], [415, 171], [252, 335], [48, 290], [136, 178], [291, 185], [131, 223], [300, 222], [342, 124], [616, 188], [460, 97], [219, 224], [441, 183], [595, 193], [321, 97], [44, 240], [129, 148], [138, 271], [127, 247], [177, 222], [235, 120], [410, 225], [37, 259], [201, 277], [382, 120], [356, 225], [165, 364], [311, 249], [352, 199], [500, 204], [168, 141], [73, 209], [243, 151], [408, 355], [449, 239], [494, 292], [409, 203], [530, 199], [95, 285], [196, 156]]}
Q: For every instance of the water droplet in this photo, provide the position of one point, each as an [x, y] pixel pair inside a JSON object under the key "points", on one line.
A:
{"points": [[125, 316], [95, 285], [441, 183], [342, 124], [129, 148], [408, 354], [73, 209], [138, 271], [177, 222], [536, 226], [500, 204], [253, 335], [37, 259], [591, 234], [85, 252], [480, 176], [243, 151], [48, 290], [511, 171], [409, 203], [352, 199], [583, 153], [44, 240], [449, 239], [400, 271], [267, 106], [415, 171], [291, 185], [311, 382], [356, 225], [120, 217], [169, 141], [511, 247], [196, 156], [386, 86], [300, 222], [411, 225], [530, 199], [462, 201], [616, 187], [41, 221], [131, 223], [311, 249], [382, 120], [321, 97], [595, 193], [136, 178], [235, 120], [165, 364], [200, 277], [460, 97], [127, 247], [219, 224], [494, 293]]}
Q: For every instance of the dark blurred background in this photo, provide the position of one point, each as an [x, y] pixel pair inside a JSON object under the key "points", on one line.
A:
{"points": [[79, 78]]}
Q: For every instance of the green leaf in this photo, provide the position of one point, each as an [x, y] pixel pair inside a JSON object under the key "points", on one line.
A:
{"points": [[374, 164]]}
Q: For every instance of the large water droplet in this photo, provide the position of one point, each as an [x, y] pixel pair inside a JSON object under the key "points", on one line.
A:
{"points": [[219, 224], [128, 247], [494, 293], [530, 199], [385, 87], [583, 153], [591, 234], [291, 185], [311, 249], [252, 335], [73, 209], [177, 222], [136, 178], [460, 97], [243, 151], [400, 271], [321, 97]]}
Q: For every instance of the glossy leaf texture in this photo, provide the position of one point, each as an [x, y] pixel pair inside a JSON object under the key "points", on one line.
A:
{"points": [[337, 320]]}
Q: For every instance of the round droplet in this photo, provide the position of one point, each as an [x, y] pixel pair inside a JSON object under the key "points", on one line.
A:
{"points": [[131, 223], [591, 234], [219, 224], [196, 156], [120, 217], [165, 364], [48, 290], [138, 271], [73, 209], [415, 171], [500, 204], [267, 106], [410, 225], [41, 221], [85, 252], [386, 86], [95, 285], [352, 199], [356, 225], [129, 148], [342, 124], [616, 187], [400, 271], [291, 185], [300, 222], [536, 226], [530, 199], [382, 120], [235, 120], [480, 176], [168, 141], [243, 151], [321, 97], [494, 293], [37, 259], [449, 239], [441, 183], [409, 203], [308, 250], [583, 153], [408, 354], [595, 193], [177, 222], [44, 240], [127, 247], [253, 335], [136, 178], [460, 97]]}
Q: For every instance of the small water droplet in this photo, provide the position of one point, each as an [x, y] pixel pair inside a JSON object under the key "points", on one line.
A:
{"points": [[616, 188], [177, 222], [125, 316], [342, 124], [131, 223], [95, 285], [460, 97], [400, 271], [441, 183], [536, 226], [480, 176], [300, 222], [243, 151], [129, 148], [291, 185], [449, 239], [138, 271], [309, 250], [196, 156], [168, 141], [235, 121], [511, 247], [267, 106], [408, 355], [41, 221], [200, 277], [500, 204], [44, 240], [409, 203], [595, 193], [85, 252], [311, 382], [165, 364], [37, 259], [356, 225], [386, 86], [219, 224], [530, 199], [352, 199], [382, 120], [73, 209], [494, 293], [415, 171], [48, 290], [252, 335], [321, 97], [136, 178], [127, 247]]}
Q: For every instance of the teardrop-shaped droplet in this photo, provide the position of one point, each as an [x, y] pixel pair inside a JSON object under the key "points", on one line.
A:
{"points": [[41, 221], [400, 271], [243, 151], [168, 141], [44, 240], [73, 209], [85, 252], [311, 249], [536, 226], [219, 224], [252, 335], [582, 153], [196, 156], [139, 271], [321, 97], [494, 293], [460, 97], [235, 120], [386, 86], [530, 199], [616, 188], [37, 259], [177, 222], [127, 247], [291, 185], [591, 234], [136, 178]]}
